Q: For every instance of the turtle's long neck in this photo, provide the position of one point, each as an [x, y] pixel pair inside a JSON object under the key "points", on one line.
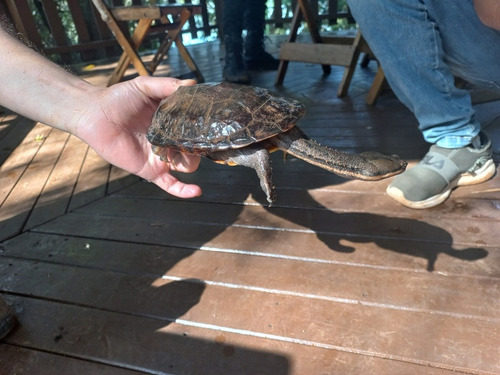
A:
{"points": [[364, 166]]}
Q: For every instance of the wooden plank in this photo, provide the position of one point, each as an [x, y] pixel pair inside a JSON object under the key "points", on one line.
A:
{"points": [[19, 360], [57, 192], [7, 121], [316, 53], [326, 278], [349, 196], [205, 22], [120, 179], [103, 30], [27, 186], [374, 226], [18, 161], [333, 10], [180, 349], [13, 130], [86, 48], [92, 181], [79, 19], [356, 247], [331, 324], [338, 39], [55, 26], [24, 21], [133, 13]]}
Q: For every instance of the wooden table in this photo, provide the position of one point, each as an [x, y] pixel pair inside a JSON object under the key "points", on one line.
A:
{"points": [[172, 18]]}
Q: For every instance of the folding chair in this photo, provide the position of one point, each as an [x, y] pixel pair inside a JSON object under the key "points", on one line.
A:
{"points": [[341, 51], [172, 17]]}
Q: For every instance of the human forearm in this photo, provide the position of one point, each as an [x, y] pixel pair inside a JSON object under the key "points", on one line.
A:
{"points": [[112, 120], [37, 88], [488, 12]]}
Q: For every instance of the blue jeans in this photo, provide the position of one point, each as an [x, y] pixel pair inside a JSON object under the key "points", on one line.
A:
{"points": [[421, 45]]}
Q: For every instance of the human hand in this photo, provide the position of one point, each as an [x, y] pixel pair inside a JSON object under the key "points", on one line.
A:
{"points": [[115, 121]]}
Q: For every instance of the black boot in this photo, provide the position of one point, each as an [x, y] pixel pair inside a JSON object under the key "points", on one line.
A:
{"points": [[7, 319], [234, 69], [256, 57]]}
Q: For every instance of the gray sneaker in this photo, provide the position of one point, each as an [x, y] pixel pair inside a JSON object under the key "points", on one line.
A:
{"points": [[430, 182], [7, 319]]}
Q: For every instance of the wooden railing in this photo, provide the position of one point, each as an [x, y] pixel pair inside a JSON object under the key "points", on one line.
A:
{"points": [[70, 31]]}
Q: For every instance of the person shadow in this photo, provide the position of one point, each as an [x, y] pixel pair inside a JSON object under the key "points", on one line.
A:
{"points": [[129, 323]]}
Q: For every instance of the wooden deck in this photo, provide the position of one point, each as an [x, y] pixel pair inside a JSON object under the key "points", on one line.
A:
{"points": [[109, 275]]}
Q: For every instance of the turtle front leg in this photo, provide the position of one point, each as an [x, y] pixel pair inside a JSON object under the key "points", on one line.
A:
{"points": [[257, 159]]}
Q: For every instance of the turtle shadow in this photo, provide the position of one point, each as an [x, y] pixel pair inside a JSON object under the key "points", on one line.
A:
{"points": [[339, 231]]}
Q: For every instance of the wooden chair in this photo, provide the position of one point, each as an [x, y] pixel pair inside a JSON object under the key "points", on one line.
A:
{"points": [[172, 18], [327, 51]]}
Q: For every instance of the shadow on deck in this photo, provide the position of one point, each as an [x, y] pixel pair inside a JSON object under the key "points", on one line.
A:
{"points": [[109, 275]]}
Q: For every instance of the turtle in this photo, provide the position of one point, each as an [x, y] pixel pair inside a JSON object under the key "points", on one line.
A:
{"points": [[240, 125]]}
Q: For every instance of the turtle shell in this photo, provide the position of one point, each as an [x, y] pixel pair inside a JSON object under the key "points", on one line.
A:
{"points": [[210, 117]]}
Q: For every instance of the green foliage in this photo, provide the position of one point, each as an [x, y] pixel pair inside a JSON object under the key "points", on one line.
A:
{"points": [[328, 21]]}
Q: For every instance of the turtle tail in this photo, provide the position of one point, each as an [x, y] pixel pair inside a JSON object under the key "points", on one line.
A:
{"points": [[370, 166]]}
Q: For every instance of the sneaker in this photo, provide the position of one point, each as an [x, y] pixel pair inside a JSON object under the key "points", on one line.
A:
{"points": [[430, 182], [7, 319]]}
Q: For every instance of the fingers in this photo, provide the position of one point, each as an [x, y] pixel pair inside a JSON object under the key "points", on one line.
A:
{"points": [[177, 188], [172, 160], [160, 87], [176, 160], [181, 162]]}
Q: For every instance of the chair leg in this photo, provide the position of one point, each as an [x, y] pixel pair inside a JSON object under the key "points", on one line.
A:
{"points": [[349, 71], [169, 38], [173, 36], [108, 17], [188, 59], [313, 28], [125, 60], [283, 66], [376, 87]]}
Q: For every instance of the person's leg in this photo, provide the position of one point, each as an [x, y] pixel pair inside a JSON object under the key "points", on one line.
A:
{"points": [[234, 68], [256, 58], [421, 44], [471, 49], [420, 61]]}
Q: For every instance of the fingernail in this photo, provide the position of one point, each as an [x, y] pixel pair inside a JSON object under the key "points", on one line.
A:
{"points": [[188, 82]]}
